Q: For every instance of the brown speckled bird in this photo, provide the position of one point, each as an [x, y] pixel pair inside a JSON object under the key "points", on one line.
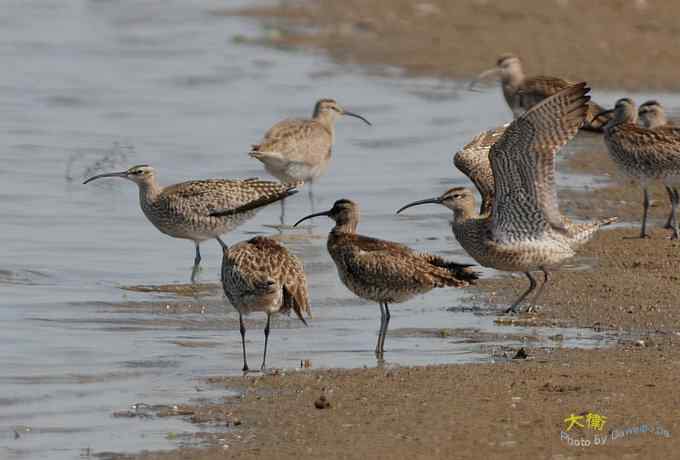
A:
{"points": [[299, 150], [383, 271], [473, 161], [525, 231], [652, 114], [644, 154], [261, 275], [203, 209], [522, 92]]}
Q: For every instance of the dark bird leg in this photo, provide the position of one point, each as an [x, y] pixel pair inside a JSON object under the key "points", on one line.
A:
{"points": [[674, 217], [384, 332], [266, 340], [645, 204], [243, 341], [283, 212], [382, 324], [671, 193], [197, 262], [546, 278], [532, 286]]}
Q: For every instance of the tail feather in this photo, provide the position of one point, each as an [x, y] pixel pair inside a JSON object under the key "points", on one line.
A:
{"points": [[451, 273], [255, 204]]}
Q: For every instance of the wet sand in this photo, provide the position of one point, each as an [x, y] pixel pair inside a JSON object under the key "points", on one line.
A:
{"points": [[513, 408], [625, 44]]}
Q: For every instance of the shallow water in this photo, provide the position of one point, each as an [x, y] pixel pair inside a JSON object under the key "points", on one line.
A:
{"points": [[90, 86]]}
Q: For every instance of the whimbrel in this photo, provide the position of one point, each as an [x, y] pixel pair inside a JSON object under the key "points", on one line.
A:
{"points": [[644, 154], [261, 275], [525, 231], [522, 92], [183, 210], [299, 150], [473, 161], [383, 271]]}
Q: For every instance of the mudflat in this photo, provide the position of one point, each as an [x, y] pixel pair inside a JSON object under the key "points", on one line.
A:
{"points": [[512, 408]]}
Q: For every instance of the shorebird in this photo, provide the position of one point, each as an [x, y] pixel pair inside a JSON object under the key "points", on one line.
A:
{"points": [[651, 114], [184, 210], [261, 275], [524, 232], [473, 161], [299, 150], [644, 154], [522, 92], [383, 271]]}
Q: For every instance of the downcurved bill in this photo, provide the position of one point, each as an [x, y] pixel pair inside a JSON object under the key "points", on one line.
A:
{"points": [[436, 200], [122, 174], [494, 73], [317, 214], [356, 115]]}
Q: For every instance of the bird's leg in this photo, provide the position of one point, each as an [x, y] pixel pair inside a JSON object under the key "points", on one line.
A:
{"points": [[674, 217], [546, 278], [384, 334], [532, 286], [243, 341], [645, 204], [266, 340], [197, 262], [671, 193], [382, 324]]}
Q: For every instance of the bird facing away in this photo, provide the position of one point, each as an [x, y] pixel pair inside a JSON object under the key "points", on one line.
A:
{"points": [[522, 92], [473, 161], [644, 154], [383, 271], [651, 114], [525, 231], [299, 150], [261, 275], [184, 210]]}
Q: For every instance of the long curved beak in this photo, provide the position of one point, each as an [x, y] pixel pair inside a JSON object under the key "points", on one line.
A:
{"points": [[122, 174], [436, 200], [317, 214], [494, 73], [356, 115]]}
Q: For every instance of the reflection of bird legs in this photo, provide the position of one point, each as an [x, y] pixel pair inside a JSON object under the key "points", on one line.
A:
{"points": [[197, 262], [311, 196]]}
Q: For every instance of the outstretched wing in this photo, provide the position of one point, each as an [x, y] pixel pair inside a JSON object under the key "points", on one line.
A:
{"points": [[473, 161], [523, 164]]}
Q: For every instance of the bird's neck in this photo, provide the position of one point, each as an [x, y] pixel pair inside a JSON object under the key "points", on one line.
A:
{"points": [[463, 214], [327, 120], [149, 191], [513, 80], [347, 226]]}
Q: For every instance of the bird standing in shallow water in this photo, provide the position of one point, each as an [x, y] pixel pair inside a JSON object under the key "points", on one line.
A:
{"points": [[522, 92], [261, 275], [184, 210], [299, 150], [644, 154], [651, 114], [525, 231], [383, 271]]}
